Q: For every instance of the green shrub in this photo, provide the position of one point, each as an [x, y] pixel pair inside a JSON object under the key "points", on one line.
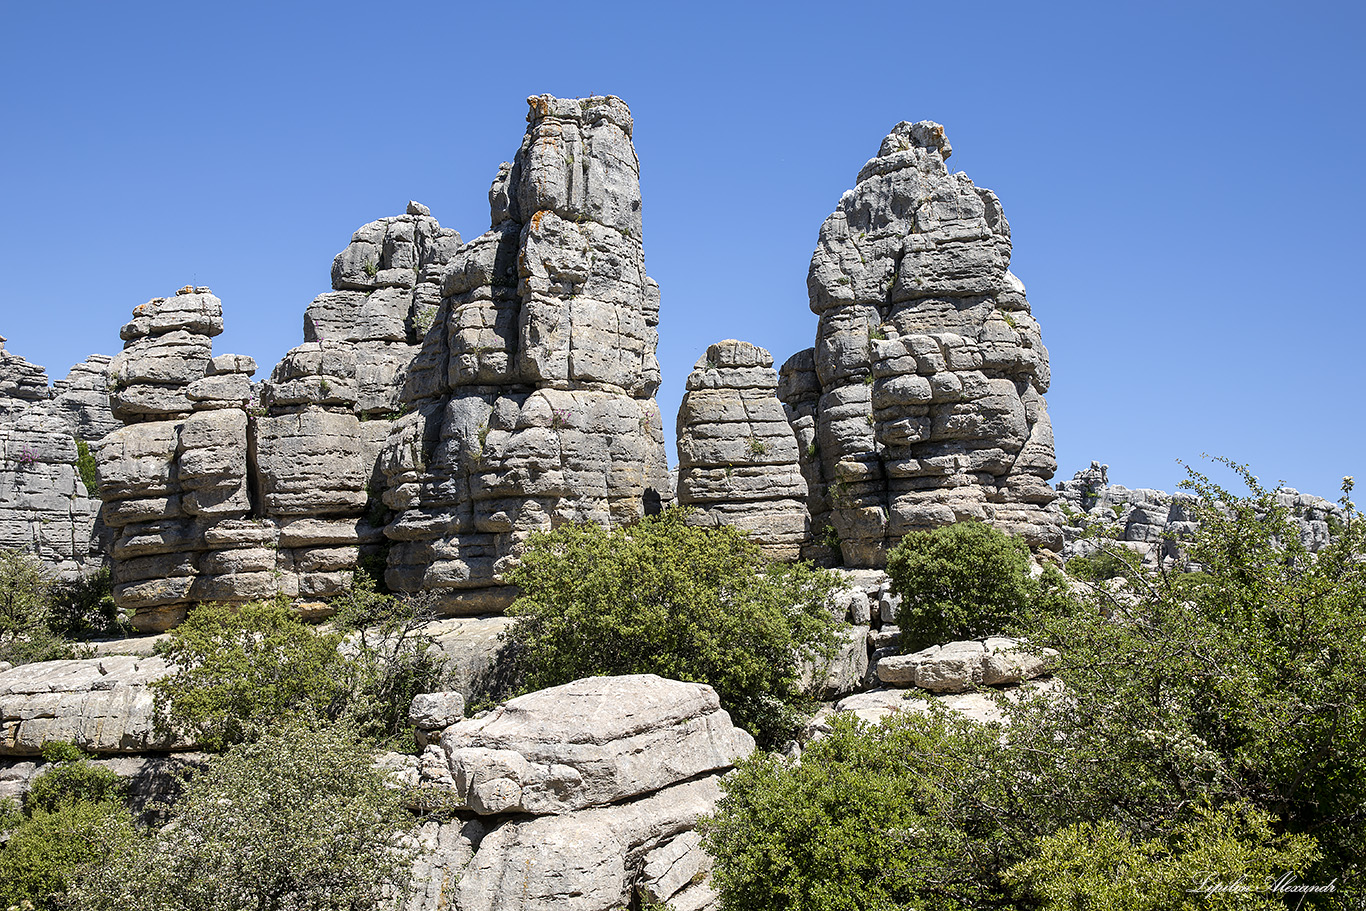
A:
{"points": [[25, 608], [85, 467], [389, 659], [70, 779], [85, 609], [913, 813], [299, 819], [50, 850], [964, 581], [663, 597], [1245, 682], [1098, 867], [240, 668]]}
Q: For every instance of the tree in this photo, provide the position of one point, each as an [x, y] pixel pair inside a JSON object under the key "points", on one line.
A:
{"points": [[239, 668], [25, 606], [964, 581], [299, 820], [683, 602]]}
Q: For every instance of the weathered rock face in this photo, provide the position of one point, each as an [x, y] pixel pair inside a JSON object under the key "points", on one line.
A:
{"points": [[584, 793], [737, 454], [1152, 523], [532, 400], [922, 401], [103, 705], [45, 508]]}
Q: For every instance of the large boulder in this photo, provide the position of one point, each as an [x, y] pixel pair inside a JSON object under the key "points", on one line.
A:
{"points": [[588, 743], [103, 705]]}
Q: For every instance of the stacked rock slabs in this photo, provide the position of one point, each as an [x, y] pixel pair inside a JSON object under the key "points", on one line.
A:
{"points": [[532, 400], [923, 397], [737, 454]]}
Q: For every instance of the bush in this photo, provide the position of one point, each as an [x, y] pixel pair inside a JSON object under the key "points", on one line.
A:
{"points": [[240, 668], [25, 607], [389, 659], [85, 609], [50, 850], [300, 819], [965, 581], [71, 779], [1213, 721], [906, 815], [1221, 859], [663, 597], [1243, 683]]}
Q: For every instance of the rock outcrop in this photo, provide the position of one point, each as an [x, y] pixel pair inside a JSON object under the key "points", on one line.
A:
{"points": [[1152, 523], [532, 400], [737, 454], [45, 507], [922, 402], [102, 705], [577, 797]]}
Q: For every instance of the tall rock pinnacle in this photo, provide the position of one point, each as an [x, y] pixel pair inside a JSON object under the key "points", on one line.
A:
{"points": [[922, 401], [533, 396]]}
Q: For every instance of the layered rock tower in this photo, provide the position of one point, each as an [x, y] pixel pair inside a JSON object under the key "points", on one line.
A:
{"points": [[46, 508], [532, 400], [737, 454], [921, 403]]}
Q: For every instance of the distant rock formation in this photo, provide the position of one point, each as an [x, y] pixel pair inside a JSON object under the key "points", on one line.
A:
{"points": [[922, 402], [532, 400], [737, 455], [45, 508], [1152, 523]]}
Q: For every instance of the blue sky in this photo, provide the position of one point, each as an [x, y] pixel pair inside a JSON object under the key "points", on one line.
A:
{"points": [[1184, 181]]}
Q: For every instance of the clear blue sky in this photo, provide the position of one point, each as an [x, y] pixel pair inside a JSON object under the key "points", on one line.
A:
{"points": [[1184, 181]]}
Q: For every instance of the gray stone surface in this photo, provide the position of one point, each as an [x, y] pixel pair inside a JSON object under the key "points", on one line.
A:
{"points": [[961, 667], [587, 743], [103, 705], [531, 402], [737, 454], [921, 403]]}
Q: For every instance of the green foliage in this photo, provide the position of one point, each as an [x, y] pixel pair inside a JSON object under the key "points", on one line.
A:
{"points": [[26, 589], [85, 467], [663, 597], [85, 609], [1216, 860], [51, 849], [964, 581], [240, 668], [71, 778], [1245, 682], [1102, 565], [1211, 733], [905, 815], [300, 819], [389, 659]]}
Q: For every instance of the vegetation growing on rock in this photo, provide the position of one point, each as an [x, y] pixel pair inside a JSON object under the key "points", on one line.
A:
{"points": [[661, 597]]}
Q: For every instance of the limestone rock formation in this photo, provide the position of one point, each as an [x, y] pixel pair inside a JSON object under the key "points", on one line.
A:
{"points": [[103, 705], [922, 402], [737, 455], [1152, 523], [532, 400], [45, 508], [585, 793]]}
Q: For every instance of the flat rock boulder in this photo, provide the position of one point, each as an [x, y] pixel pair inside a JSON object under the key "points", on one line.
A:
{"points": [[102, 705], [589, 743], [960, 667]]}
